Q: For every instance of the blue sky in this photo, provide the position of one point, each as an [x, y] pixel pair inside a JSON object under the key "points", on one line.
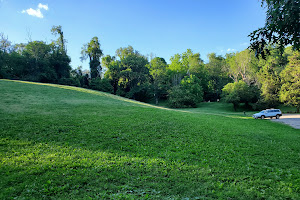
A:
{"points": [[161, 27]]}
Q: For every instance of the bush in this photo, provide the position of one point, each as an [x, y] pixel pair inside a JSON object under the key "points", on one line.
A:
{"points": [[101, 85], [69, 81], [140, 93], [240, 92], [181, 98], [188, 94]]}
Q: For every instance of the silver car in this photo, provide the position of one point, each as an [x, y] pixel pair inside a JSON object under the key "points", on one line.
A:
{"points": [[268, 113]]}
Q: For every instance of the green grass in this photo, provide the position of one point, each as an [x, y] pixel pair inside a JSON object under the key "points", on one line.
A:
{"points": [[226, 109], [69, 143]]}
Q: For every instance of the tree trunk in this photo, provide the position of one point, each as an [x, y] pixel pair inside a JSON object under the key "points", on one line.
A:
{"points": [[235, 106]]}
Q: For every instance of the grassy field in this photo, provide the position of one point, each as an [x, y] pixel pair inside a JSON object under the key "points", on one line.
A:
{"points": [[63, 142], [227, 109]]}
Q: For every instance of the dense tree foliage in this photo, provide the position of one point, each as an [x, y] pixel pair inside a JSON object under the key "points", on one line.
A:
{"points": [[92, 51], [269, 78], [237, 78], [290, 89], [188, 94], [158, 69], [242, 65], [101, 85], [282, 26], [36, 60], [113, 71], [240, 92], [59, 59], [129, 75], [217, 77]]}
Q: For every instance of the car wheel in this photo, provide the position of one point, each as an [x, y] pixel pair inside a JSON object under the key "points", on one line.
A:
{"points": [[262, 117], [277, 116]]}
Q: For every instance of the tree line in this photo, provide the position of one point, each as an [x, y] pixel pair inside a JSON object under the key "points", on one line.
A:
{"points": [[240, 77], [36, 60]]}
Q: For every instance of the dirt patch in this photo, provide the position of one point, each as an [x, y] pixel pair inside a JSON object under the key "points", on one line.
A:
{"points": [[291, 119]]}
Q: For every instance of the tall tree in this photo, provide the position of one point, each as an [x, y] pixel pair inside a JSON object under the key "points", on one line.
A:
{"points": [[242, 66], [5, 44], [158, 71], [129, 75], [188, 94], [133, 75], [268, 75], [92, 51], [123, 52], [59, 58], [270, 85], [240, 92], [113, 69], [57, 30], [107, 60], [218, 77], [282, 26], [182, 65], [290, 89], [38, 68]]}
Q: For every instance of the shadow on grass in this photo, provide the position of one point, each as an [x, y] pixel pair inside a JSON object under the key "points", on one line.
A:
{"points": [[47, 170], [71, 147]]}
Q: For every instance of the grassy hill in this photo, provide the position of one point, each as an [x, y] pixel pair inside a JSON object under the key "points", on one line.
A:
{"points": [[61, 142]]}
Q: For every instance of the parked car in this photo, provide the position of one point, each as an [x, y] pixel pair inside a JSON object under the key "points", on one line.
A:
{"points": [[268, 113]]}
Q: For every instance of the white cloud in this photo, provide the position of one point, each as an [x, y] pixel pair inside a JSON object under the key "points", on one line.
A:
{"points": [[36, 12], [32, 12], [41, 6], [230, 49]]}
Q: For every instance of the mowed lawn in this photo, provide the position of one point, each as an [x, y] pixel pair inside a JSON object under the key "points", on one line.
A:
{"points": [[71, 143]]}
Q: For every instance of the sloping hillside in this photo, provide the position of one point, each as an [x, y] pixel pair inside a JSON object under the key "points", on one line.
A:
{"points": [[71, 143]]}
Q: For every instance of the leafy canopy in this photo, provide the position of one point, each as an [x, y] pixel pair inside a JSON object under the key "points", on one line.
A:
{"points": [[282, 26], [93, 51], [290, 89]]}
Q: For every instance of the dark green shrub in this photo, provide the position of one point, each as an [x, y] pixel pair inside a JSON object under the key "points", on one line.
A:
{"points": [[69, 81], [101, 85], [188, 94], [140, 93], [240, 92], [181, 98]]}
